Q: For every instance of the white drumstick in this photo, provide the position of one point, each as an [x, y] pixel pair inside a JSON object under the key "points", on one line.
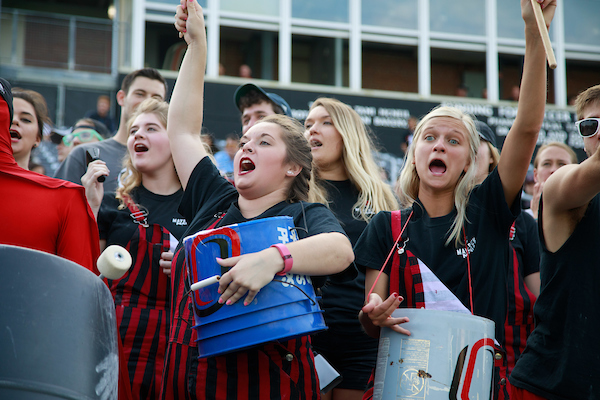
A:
{"points": [[114, 262], [205, 282]]}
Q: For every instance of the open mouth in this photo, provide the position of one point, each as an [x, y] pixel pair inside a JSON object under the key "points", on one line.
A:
{"points": [[437, 167], [14, 134], [246, 165], [140, 148], [315, 143]]}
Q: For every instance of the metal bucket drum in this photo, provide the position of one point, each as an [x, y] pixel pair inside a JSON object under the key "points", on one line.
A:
{"points": [[448, 355], [58, 335], [285, 308]]}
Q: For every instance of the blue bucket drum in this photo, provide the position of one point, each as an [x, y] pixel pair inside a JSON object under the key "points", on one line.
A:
{"points": [[448, 355], [285, 308]]}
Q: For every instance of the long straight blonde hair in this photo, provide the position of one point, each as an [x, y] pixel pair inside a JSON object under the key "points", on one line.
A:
{"points": [[374, 194], [408, 183]]}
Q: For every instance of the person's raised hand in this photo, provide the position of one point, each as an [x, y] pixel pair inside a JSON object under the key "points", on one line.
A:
{"points": [[189, 21], [380, 312], [181, 17], [535, 198], [548, 9]]}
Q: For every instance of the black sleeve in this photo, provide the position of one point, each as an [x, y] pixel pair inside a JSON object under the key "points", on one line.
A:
{"points": [[375, 243], [319, 219], [73, 167], [490, 197], [207, 192], [531, 246], [107, 215]]}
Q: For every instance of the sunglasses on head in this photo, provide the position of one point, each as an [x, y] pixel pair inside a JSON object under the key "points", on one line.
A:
{"points": [[84, 136], [588, 127]]}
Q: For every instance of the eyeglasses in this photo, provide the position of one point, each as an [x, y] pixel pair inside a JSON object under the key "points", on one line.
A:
{"points": [[84, 136], [588, 127]]}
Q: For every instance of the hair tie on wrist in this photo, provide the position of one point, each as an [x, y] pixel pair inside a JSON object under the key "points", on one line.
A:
{"points": [[288, 261]]}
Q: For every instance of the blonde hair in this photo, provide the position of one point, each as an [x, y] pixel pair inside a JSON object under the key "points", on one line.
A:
{"points": [[131, 177], [409, 180], [374, 194], [568, 149], [304, 187]]}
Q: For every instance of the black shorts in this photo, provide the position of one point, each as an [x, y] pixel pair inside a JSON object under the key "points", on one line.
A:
{"points": [[352, 354]]}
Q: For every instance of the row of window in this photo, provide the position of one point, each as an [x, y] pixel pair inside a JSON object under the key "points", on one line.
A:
{"points": [[463, 17]]}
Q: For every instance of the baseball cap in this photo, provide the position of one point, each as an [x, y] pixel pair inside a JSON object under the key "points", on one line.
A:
{"points": [[485, 132], [57, 134], [242, 90], [6, 93]]}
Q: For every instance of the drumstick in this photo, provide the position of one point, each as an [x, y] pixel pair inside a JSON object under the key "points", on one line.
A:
{"points": [[539, 17], [205, 282]]}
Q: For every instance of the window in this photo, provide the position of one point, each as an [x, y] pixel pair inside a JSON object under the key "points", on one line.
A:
{"points": [[320, 60], [458, 16], [330, 10], [256, 50], [390, 67], [263, 7], [581, 22], [509, 20], [454, 71], [402, 14]]}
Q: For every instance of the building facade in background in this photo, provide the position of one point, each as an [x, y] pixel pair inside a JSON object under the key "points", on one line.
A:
{"points": [[387, 58]]}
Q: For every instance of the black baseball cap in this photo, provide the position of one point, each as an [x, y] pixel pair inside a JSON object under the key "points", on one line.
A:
{"points": [[485, 132], [275, 98]]}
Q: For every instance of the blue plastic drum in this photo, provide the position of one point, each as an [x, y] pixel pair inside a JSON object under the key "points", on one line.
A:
{"points": [[284, 309]]}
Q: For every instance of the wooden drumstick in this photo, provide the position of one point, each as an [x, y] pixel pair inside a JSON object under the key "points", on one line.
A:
{"points": [[541, 23]]}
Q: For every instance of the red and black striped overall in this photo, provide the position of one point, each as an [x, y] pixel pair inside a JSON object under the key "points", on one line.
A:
{"points": [[142, 298], [519, 319], [277, 370]]}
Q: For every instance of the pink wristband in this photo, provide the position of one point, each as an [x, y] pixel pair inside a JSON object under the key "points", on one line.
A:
{"points": [[288, 261]]}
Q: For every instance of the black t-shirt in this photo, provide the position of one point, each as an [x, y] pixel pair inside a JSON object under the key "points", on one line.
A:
{"points": [[562, 357], [343, 298], [489, 219], [209, 194], [117, 226]]}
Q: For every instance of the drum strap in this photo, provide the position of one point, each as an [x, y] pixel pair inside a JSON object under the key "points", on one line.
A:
{"points": [[217, 217], [413, 284]]}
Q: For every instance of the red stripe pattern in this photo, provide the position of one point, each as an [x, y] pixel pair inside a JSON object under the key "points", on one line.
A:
{"points": [[142, 298], [519, 319]]}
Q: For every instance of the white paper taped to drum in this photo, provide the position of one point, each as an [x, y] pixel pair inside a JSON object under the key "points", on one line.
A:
{"points": [[114, 262], [205, 282]]}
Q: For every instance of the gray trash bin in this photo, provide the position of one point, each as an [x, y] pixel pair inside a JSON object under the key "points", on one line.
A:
{"points": [[58, 335]]}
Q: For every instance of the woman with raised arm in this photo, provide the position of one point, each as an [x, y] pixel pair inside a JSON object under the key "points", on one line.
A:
{"points": [[272, 173], [457, 230], [342, 152], [141, 217]]}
